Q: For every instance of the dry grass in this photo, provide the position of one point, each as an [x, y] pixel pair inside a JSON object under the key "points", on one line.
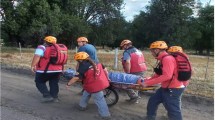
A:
{"points": [[201, 83]]}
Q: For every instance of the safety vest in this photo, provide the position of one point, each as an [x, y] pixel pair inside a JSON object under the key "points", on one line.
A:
{"points": [[41, 66], [95, 83], [137, 60]]}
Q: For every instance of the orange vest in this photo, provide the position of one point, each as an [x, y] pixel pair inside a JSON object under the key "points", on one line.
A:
{"points": [[41, 66], [95, 83]]}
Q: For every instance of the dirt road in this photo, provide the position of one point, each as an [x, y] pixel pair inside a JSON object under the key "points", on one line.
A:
{"points": [[20, 100]]}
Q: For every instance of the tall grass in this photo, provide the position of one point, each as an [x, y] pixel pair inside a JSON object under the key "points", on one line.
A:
{"points": [[201, 83]]}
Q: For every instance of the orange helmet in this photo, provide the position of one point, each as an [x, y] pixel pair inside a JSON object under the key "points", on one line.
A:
{"points": [[50, 39], [159, 45], [125, 42], [81, 56], [82, 39], [175, 49]]}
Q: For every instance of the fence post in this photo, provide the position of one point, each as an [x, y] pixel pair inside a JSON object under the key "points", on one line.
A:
{"points": [[116, 58], [20, 50], [207, 67]]}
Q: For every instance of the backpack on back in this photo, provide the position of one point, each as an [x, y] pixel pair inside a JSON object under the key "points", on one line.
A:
{"points": [[184, 68], [58, 54]]}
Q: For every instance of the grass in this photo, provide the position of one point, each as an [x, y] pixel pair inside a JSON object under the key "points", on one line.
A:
{"points": [[201, 83]]}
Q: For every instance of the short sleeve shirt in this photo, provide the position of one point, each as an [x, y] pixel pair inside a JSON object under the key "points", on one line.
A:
{"points": [[126, 56], [90, 50], [40, 50]]}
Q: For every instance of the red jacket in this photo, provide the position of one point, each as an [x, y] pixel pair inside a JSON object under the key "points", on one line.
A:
{"points": [[95, 83], [169, 76]]}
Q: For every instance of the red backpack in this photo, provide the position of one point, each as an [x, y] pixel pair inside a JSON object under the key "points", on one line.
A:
{"points": [[183, 66], [58, 55]]}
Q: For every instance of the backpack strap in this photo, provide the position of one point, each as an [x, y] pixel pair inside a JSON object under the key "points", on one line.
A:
{"points": [[47, 66]]}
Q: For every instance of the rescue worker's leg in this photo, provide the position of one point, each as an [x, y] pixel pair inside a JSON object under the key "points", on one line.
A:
{"points": [[53, 83], [133, 95], [40, 80], [172, 103], [84, 100], [153, 103], [101, 104]]}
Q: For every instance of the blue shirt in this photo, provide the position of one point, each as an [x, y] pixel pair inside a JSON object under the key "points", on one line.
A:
{"points": [[127, 52], [90, 50], [40, 50]]}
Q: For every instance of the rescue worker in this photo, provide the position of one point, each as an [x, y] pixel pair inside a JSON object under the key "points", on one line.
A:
{"points": [[52, 75], [133, 62], [94, 80], [84, 46], [171, 90], [88, 48]]}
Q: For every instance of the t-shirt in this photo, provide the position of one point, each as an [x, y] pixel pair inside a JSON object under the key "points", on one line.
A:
{"points": [[90, 50], [40, 50]]}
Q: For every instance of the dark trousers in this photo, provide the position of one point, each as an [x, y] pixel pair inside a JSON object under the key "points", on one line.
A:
{"points": [[171, 99], [53, 78]]}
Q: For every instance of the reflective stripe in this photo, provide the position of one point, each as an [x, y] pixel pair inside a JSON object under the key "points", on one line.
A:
{"points": [[40, 71], [182, 86]]}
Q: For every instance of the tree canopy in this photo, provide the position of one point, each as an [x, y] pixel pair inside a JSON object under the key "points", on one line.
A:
{"points": [[178, 22]]}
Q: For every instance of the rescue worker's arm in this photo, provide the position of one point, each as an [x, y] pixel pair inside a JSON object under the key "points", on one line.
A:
{"points": [[77, 66], [35, 60], [127, 66], [72, 81], [167, 72]]}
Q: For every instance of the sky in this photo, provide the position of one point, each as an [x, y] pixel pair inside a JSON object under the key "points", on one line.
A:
{"points": [[132, 7]]}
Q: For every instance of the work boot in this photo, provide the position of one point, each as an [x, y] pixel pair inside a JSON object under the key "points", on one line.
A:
{"points": [[133, 100], [56, 100], [81, 108], [47, 99]]}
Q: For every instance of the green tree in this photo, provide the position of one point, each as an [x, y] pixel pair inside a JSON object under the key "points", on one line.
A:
{"points": [[206, 27], [164, 19], [9, 24]]}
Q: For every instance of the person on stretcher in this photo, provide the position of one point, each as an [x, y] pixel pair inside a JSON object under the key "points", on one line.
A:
{"points": [[113, 77], [125, 78]]}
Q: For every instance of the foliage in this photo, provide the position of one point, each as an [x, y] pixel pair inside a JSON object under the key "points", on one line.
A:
{"points": [[164, 19], [178, 22], [205, 23]]}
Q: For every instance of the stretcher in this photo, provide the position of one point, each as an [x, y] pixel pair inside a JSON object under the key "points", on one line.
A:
{"points": [[111, 95]]}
